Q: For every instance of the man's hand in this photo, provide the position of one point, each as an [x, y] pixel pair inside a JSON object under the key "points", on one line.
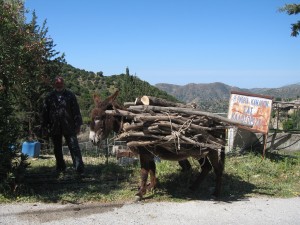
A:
{"points": [[77, 130], [45, 133]]}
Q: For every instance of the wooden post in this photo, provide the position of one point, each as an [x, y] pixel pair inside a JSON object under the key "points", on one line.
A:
{"points": [[277, 119], [107, 150], [265, 139]]}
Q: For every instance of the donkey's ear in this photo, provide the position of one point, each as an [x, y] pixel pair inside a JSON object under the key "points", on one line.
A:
{"points": [[97, 99], [113, 97]]}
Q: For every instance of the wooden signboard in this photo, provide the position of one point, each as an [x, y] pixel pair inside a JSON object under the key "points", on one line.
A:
{"points": [[251, 109]]}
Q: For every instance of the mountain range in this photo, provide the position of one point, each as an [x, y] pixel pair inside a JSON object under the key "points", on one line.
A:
{"points": [[214, 97], [211, 97]]}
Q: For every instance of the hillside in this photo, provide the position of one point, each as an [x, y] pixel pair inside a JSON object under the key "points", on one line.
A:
{"points": [[84, 84], [214, 97], [211, 97], [286, 92]]}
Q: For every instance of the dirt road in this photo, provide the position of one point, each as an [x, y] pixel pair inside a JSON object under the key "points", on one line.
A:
{"points": [[248, 211]]}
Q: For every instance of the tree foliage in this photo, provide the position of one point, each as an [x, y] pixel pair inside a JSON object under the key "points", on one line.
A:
{"points": [[28, 63], [292, 9], [292, 121], [85, 84]]}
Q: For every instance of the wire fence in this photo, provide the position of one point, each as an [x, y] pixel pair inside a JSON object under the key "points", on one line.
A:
{"points": [[91, 153]]}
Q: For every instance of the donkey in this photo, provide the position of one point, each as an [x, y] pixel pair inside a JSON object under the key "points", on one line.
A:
{"points": [[102, 124]]}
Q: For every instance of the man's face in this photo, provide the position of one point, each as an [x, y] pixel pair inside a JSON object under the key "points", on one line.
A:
{"points": [[59, 84], [59, 89]]}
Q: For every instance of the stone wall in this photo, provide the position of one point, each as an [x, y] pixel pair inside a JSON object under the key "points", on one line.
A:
{"points": [[242, 140]]}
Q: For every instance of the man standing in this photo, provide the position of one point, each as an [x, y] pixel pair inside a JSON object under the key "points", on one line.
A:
{"points": [[61, 117]]}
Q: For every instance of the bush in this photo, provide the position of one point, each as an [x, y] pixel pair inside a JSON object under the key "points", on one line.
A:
{"points": [[13, 166], [287, 125]]}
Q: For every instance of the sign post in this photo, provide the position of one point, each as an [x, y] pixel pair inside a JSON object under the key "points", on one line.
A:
{"points": [[251, 109]]}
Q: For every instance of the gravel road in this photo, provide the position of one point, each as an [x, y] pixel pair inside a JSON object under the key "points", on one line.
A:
{"points": [[247, 211]]}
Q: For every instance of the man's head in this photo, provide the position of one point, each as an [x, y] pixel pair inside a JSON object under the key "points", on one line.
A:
{"points": [[59, 83]]}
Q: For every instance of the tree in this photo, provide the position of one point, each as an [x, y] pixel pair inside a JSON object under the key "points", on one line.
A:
{"points": [[292, 9], [39, 66], [11, 54], [100, 74], [27, 65]]}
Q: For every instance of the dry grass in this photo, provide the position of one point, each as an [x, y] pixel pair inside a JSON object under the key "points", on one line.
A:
{"points": [[107, 181]]}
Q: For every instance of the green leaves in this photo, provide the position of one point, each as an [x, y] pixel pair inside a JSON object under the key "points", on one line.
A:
{"points": [[292, 9], [28, 62]]}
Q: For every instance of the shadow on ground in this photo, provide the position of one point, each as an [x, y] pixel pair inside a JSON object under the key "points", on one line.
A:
{"points": [[111, 179], [177, 186], [47, 185]]}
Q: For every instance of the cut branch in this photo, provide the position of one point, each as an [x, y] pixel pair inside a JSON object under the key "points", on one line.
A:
{"points": [[150, 100], [188, 112]]}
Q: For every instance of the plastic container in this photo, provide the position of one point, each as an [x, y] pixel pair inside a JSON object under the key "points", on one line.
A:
{"points": [[31, 148]]}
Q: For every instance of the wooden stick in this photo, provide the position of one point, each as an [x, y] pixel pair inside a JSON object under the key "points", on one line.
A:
{"points": [[188, 112], [121, 113], [150, 100], [141, 134], [127, 104], [213, 146], [135, 126]]}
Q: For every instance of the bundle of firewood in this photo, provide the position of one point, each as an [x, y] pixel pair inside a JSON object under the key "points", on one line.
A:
{"points": [[174, 126]]}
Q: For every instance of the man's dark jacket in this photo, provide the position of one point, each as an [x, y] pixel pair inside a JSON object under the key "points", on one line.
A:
{"points": [[61, 114]]}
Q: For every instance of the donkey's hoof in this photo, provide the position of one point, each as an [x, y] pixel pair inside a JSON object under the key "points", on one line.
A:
{"points": [[215, 196], [193, 188], [137, 198]]}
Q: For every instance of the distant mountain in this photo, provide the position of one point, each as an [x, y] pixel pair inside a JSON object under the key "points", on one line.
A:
{"points": [[214, 97], [286, 92], [84, 84]]}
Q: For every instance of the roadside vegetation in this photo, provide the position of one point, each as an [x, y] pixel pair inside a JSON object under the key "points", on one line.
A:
{"points": [[247, 175]]}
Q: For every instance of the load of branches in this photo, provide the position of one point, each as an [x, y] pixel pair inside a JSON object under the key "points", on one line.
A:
{"points": [[174, 126]]}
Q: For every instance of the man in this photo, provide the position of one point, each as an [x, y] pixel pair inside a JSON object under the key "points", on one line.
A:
{"points": [[61, 117]]}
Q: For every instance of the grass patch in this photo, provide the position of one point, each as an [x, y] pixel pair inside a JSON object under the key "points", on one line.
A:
{"points": [[278, 175]]}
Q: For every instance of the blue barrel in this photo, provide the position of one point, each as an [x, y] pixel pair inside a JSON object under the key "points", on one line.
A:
{"points": [[31, 148]]}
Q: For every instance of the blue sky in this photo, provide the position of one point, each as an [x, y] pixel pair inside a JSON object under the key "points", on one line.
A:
{"points": [[240, 43]]}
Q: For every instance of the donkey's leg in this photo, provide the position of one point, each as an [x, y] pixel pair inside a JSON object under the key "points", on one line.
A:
{"points": [[144, 175], [205, 168], [152, 171], [217, 159], [147, 166], [185, 165]]}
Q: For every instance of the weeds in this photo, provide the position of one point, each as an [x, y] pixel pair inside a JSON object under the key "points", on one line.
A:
{"points": [[278, 175]]}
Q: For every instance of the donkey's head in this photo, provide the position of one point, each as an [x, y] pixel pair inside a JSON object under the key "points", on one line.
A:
{"points": [[101, 122]]}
